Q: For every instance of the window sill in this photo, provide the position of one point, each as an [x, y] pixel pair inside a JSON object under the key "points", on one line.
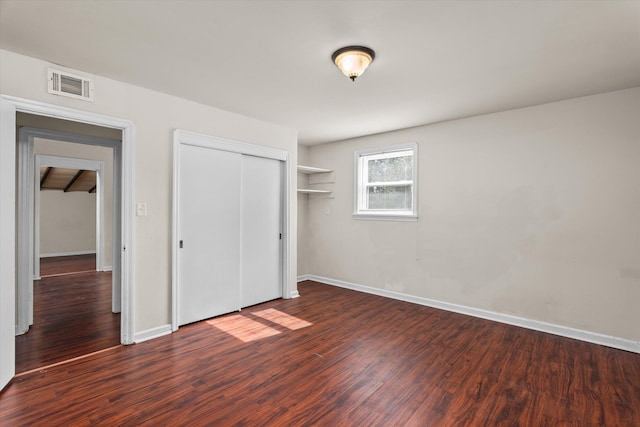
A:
{"points": [[385, 217]]}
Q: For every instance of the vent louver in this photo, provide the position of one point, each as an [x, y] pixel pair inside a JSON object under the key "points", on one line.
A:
{"points": [[67, 84]]}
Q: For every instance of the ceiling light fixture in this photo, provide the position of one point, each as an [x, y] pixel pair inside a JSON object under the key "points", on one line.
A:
{"points": [[353, 60]]}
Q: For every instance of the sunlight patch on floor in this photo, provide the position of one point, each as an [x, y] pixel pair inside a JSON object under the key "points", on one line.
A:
{"points": [[244, 329], [283, 319]]}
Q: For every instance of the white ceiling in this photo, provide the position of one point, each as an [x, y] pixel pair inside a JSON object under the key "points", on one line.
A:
{"points": [[435, 60]]}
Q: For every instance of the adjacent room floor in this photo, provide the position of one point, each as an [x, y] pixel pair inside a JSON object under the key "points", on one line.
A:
{"points": [[72, 313], [335, 357]]}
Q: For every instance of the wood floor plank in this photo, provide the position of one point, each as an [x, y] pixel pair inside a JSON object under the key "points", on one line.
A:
{"points": [[363, 360]]}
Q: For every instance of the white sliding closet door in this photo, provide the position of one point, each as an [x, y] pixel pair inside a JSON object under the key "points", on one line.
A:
{"points": [[228, 233], [261, 228], [209, 220]]}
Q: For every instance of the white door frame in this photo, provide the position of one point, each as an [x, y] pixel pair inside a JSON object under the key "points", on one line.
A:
{"points": [[206, 141], [7, 244], [123, 177], [69, 163]]}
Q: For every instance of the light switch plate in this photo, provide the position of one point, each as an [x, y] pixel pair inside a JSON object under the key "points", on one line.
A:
{"points": [[141, 209]]}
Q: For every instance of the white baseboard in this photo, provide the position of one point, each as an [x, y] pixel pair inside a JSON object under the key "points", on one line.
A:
{"points": [[303, 278], [564, 331], [294, 294], [152, 333], [51, 255], [107, 268]]}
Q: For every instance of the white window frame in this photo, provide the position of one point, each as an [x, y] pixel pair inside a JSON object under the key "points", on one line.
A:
{"points": [[360, 210]]}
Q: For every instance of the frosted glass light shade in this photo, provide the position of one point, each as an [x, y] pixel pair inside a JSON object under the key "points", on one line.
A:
{"points": [[353, 60]]}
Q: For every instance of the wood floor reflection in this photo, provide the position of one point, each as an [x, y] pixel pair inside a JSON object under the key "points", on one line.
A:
{"points": [[72, 313]]}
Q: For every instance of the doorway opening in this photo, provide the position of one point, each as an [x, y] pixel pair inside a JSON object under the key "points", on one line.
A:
{"points": [[70, 215], [67, 189], [16, 263]]}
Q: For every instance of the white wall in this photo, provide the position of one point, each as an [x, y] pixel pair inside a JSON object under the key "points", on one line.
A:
{"points": [[532, 212], [155, 116], [55, 207], [67, 222]]}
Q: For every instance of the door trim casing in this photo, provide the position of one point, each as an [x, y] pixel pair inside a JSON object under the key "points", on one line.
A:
{"points": [[183, 137], [124, 178]]}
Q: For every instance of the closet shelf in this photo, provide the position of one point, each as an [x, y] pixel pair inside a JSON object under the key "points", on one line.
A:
{"points": [[328, 177], [309, 191], [310, 170]]}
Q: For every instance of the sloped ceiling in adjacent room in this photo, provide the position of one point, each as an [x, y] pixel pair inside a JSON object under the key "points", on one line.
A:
{"points": [[65, 179]]}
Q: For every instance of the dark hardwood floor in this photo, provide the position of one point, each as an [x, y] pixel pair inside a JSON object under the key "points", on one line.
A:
{"points": [[52, 266], [335, 357], [72, 313]]}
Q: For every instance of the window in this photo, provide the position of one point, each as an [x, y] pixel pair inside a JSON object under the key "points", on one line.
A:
{"points": [[386, 184]]}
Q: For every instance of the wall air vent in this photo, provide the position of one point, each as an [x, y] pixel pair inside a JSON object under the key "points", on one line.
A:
{"points": [[67, 84]]}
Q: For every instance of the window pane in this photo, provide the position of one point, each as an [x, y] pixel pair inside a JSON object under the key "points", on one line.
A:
{"points": [[390, 169], [391, 197]]}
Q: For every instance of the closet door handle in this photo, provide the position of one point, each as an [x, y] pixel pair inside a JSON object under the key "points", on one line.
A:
{"points": [[181, 244]]}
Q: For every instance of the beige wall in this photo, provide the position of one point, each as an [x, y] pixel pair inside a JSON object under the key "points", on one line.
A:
{"points": [[67, 222], [532, 212], [155, 116], [54, 214]]}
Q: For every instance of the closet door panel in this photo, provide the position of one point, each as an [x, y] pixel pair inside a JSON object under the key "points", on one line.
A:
{"points": [[261, 224], [209, 233]]}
